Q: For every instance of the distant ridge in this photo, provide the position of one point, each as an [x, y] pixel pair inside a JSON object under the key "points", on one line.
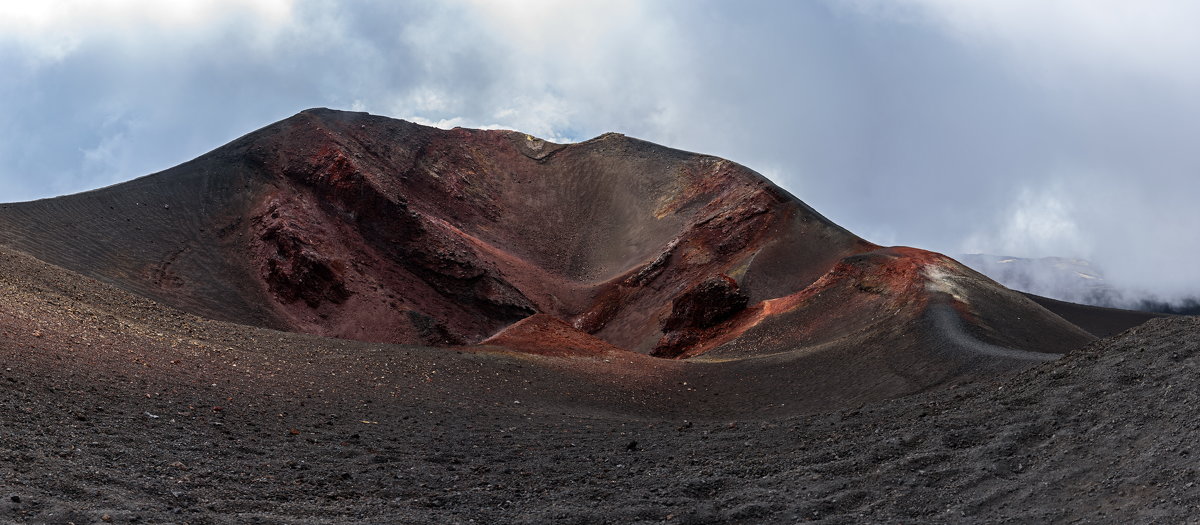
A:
{"points": [[1071, 280]]}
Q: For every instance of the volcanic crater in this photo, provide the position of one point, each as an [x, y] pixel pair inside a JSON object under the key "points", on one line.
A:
{"points": [[346, 317], [363, 227]]}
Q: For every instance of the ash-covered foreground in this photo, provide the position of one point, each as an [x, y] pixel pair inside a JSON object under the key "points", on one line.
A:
{"points": [[116, 409]]}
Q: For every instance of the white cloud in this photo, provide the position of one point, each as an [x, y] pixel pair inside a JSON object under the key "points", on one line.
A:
{"points": [[1154, 38], [551, 67], [51, 30], [1039, 222]]}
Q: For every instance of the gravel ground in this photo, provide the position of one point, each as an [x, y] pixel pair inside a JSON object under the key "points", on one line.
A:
{"points": [[114, 409]]}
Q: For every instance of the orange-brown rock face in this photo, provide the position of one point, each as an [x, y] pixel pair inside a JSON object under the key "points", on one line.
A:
{"points": [[548, 335], [356, 226]]}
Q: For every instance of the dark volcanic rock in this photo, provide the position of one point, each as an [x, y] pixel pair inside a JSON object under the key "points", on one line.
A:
{"points": [[706, 304]]}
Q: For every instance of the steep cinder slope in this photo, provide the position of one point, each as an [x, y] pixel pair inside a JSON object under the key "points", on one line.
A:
{"points": [[172, 236], [1097, 320], [364, 227]]}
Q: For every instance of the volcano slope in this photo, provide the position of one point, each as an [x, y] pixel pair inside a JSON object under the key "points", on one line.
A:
{"points": [[373, 229]]}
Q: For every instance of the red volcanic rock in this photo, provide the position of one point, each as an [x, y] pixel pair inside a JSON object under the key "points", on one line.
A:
{"points": [[294, 264], [893, 298], [548, 335], [364, 227]]}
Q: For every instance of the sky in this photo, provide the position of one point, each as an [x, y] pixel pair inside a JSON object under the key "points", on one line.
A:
{"points": [[1026, 127]]}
